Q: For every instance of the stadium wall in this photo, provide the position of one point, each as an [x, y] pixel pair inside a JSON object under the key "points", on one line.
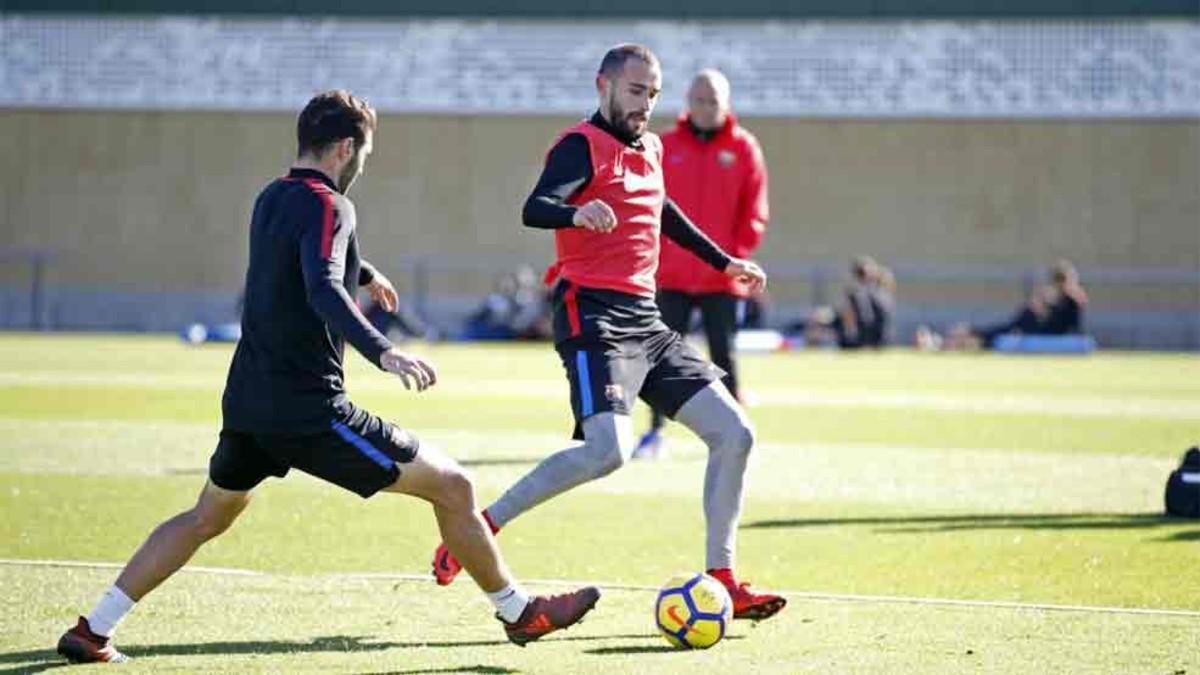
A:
{"points": [[163, 197]]}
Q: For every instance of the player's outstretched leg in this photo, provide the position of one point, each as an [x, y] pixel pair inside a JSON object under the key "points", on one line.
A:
{"points": [[166, 550], [607, 446], [714, 416], [439, 480]]}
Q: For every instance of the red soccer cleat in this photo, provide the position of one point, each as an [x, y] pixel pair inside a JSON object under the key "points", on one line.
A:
{"points": [[445, 565], [746, 603], [547, 613], [81, 645]]}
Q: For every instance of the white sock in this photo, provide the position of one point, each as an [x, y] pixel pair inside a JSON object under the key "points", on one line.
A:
{"points": [[113, 607], [510, 601]]}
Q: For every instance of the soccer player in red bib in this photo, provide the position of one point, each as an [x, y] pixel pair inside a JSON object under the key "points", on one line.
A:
{"points": [[602, 193]]}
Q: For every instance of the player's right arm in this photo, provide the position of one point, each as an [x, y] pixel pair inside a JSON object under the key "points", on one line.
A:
{"points": [[568, 170]]}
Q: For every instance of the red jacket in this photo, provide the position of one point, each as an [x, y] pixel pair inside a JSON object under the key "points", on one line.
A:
{"points": [[721, 185]]}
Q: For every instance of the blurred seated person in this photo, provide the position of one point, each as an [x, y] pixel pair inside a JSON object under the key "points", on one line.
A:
{"points": [[863, 317], [516, 309], [1053, 309], [400, 324]]}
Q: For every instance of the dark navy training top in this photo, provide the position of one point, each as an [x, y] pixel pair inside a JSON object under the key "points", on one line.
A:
{"points": [[299, 310]]}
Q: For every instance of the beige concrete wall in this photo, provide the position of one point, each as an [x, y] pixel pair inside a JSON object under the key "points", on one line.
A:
{"points": [[162, 199]]}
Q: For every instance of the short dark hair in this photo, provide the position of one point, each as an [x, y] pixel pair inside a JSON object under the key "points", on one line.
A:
{"points": [[613, 63], [331, 116]]}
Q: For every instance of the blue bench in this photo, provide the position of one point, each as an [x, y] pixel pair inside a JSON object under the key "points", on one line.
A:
{"points": [[1015, 343]]}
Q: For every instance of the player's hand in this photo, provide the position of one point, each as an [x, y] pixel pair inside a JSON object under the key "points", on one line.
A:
{"points": [[595, 216], [383, 292], [412, 370], [748, 272]]}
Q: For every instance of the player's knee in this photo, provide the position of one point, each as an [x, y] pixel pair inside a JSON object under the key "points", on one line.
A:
{"points": [[744, 437], [611, 459], [738, 437], [457, 490], [609, 445]]}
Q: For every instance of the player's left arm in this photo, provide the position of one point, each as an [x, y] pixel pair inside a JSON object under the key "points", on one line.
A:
{"points": [[681, 230], [323, 254], [378, 286], [753, 210]]}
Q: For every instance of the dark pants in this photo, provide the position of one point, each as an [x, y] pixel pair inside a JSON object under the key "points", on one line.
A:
{"points": [[718, 316], [1025, 321]]}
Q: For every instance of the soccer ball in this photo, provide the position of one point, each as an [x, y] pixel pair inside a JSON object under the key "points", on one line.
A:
{"points": [[692, 611]]}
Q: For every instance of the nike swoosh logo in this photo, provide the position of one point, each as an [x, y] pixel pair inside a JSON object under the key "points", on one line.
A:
{"points": [[635, 182], [672, 612]]}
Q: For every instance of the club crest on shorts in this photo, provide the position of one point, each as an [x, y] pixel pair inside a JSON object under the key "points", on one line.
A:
{"points": [[615, 393]]}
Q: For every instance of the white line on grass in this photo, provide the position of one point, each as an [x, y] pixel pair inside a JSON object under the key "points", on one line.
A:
{"points": [[554, 389], [805, 595]]}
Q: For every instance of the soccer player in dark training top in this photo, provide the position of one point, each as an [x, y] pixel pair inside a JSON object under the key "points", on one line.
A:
{"points": [[602, 194], [285, 405]]}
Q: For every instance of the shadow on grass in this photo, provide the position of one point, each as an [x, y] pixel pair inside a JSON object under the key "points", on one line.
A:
{"points": [[1191, 535], [32, 662], [992, 521], [659, 648], [481, 669], [36, 661]]}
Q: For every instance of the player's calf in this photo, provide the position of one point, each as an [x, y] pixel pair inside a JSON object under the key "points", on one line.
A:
{"points": [[445, 566]]}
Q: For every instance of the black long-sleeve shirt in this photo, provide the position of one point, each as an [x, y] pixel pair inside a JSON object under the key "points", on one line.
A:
{"points": [[568, 170], [287, 375]]}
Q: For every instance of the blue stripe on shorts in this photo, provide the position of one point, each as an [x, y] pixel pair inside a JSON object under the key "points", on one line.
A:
{"points": [[585, 384], [363, 445]]}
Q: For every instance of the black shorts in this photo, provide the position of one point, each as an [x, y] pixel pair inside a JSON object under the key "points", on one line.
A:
{"points": [[359, 452], [662, 369]]}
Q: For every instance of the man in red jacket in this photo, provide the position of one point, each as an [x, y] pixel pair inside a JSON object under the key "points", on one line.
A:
{"points": [[715, 172]]}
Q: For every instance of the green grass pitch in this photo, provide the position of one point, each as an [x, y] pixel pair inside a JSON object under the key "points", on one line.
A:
{"points": [[882, 485]]}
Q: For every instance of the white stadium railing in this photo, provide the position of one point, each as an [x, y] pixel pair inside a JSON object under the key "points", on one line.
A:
{"points": [[1066, 68]]}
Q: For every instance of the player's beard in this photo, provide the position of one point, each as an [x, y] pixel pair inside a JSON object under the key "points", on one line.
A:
{"points": [[350, 172], [624, 122]]}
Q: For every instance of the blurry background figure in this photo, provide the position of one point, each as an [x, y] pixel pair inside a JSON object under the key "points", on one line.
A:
{"points": [[402, 324], [1055, 308], [516, 309], [715, 172], [863, 317], [752, 311]]}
